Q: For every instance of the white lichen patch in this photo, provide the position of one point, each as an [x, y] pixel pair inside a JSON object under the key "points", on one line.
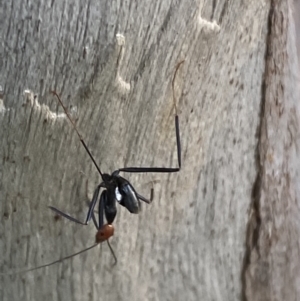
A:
{"points": [[32, 101], [122, 86], [208, 27], [2, 107], [120, 39]]}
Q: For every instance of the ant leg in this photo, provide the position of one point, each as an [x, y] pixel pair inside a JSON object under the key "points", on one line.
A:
{"points": [[148, 201], [144, 199], [66, 215], [158, 169], [90, 212], [79, 135], [95, 221], [93, 203], [162, 169]]}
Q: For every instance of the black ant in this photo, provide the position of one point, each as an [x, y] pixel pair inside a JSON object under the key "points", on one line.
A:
{"points": [[116, 190]]}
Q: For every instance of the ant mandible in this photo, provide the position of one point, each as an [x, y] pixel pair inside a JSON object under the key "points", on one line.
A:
{"points": [[116, 190]]}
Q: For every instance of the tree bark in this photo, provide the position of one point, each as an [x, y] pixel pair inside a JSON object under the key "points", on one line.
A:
{"points": [[226, 227], [272, 266]]}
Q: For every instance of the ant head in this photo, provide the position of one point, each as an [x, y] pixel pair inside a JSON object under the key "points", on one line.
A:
{"points": [[104, 233]]}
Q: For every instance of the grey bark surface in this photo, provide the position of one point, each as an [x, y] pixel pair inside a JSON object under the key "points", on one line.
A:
{"points": [[227, 226]]}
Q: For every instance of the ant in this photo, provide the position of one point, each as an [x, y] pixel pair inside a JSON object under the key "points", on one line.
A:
{"points": [[116, 190]]}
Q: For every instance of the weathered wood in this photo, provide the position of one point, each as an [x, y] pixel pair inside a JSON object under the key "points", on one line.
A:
{"points": [[226, 227], [272, 259]]}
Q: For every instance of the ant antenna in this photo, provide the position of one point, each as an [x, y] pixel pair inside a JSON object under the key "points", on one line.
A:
{"points": [[51, 263], [80, 137], [173, 83], [112, 252], [61, 260]]}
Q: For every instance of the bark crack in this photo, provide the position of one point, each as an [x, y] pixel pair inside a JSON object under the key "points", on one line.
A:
{"points": [[254, 222]]}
